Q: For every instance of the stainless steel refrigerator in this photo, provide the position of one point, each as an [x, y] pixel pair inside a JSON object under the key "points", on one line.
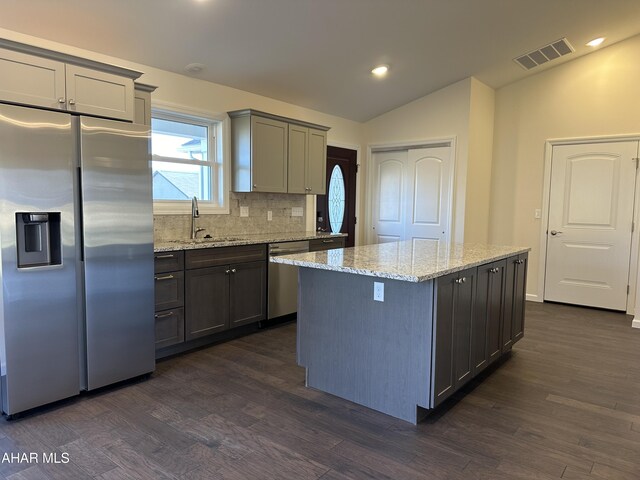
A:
{"points": [[76, 255]]}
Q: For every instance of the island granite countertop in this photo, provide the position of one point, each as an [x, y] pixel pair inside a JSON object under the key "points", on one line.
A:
{"points": [[240, 239], [405, 260]]}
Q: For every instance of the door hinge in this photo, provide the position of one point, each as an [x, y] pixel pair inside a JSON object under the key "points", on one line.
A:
{"points": [[637, 160], [627, 289], [358, 166]]}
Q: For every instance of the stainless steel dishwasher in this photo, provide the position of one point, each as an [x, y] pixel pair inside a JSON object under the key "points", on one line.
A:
{"points": [[283, 279]]}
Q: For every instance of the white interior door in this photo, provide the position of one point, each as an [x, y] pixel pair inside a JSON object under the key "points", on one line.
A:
{"points": [[412, 195], [389, 199], [590, 223], [428, 209]]}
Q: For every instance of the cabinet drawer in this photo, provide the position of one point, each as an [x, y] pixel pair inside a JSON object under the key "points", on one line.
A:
{"points": [[326, 244], [211, 257], [169, 290], [168, 261], [169, 327]]}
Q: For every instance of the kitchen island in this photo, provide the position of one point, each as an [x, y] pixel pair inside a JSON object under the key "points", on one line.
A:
{"points": [[398, 327]]}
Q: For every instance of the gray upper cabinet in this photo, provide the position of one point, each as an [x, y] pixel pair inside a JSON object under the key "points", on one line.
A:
{"points": [[316, 163], [43, 78], [277, 154], [307, 160], [99, 93], [142, 106], [30, 80], [298, 156]]}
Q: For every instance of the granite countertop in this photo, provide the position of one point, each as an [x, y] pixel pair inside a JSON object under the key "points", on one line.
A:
{"points": [[235, 240], [403, 260]]}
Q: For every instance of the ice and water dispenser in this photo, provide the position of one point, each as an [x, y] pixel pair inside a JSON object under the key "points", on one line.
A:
{"points": [[38, 238]]}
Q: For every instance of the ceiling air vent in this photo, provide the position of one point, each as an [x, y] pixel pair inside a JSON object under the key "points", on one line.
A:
{"points": [[544, 54]]}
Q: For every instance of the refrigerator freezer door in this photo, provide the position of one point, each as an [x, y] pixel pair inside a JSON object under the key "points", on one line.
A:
{"points": [[118, 250], [38, 309]]}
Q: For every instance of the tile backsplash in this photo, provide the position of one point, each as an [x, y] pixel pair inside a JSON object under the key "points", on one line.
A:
{"points": [[176, 227]]}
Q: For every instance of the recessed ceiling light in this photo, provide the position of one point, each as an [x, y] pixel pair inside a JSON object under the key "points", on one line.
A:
{"points": [[380, 70], [595, 42], [194, 67]]}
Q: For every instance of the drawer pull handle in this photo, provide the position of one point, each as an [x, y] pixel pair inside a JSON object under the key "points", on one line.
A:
{"points": [[327, 241], [164, 315], [166, 277], [169, 255]]}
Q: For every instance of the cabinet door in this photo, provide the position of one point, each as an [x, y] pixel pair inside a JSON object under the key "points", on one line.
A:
{"points": [[298, 151], [269, 143], [207, 301], [507, 310], [316, 169], [169, 328], [142, 108], [99, 93], [519, 296], [480, 325], [442, 360], [495, 309], [464, 296], [247, 293], [30, 80]]}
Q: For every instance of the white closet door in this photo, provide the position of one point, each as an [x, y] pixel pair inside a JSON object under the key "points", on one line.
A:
{"points": [[412, 195], [590, 216], [390, 172], [428, 209]]}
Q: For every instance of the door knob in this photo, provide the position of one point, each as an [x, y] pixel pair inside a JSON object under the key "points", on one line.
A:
{"points": [[554, 232]]}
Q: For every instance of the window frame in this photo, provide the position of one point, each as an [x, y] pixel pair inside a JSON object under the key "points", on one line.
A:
{"points": [[218, 153]]}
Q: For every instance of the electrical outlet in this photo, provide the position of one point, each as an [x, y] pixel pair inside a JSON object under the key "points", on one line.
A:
{"points": [[244, 211], [537, 213], [297, 212], [269, 215], [378, 291]]}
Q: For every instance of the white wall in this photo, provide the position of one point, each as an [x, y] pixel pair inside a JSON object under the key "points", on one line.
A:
{"points": [[481, 116], [594, 95]]}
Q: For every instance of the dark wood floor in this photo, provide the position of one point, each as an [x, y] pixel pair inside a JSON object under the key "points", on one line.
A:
{"points": [[566, 404]]}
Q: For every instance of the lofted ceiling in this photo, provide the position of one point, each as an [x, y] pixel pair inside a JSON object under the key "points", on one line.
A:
{"points": [[319, 53]]}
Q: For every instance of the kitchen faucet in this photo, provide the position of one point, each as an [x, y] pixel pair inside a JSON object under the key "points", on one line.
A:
{"points": [[194, 214]]}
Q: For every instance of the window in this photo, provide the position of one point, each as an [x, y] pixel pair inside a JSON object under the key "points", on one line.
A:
{"points": [[187, 162]]}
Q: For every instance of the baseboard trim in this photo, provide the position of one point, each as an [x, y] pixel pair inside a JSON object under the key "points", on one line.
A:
{"points": [[636, 323], [533, 298]]}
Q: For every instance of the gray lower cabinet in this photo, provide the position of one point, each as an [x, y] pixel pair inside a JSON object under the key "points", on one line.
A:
{"points": [[227, 295], [486, 332], [452, 362], [514, 301], [247, 293], [319, 244], [207, 301], [479, 315], [169, 298]]}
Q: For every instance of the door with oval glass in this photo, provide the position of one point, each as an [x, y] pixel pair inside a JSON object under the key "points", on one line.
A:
{"points": [[336, 211]]}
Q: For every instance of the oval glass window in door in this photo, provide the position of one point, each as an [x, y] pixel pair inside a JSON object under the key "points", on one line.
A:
{"points": [[336, 199]]}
